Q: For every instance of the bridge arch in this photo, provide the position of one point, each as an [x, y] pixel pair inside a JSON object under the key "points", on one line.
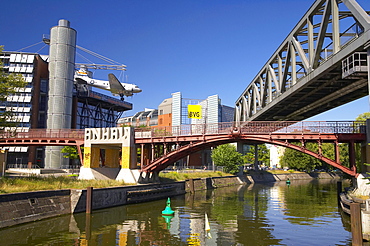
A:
{"points": [[166, 160]]}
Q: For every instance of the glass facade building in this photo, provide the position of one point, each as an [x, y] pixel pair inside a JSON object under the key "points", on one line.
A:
{"points": [[29, 104]]}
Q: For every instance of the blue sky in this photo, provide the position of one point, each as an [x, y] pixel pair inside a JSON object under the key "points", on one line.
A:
{"points": [[197, 47]]}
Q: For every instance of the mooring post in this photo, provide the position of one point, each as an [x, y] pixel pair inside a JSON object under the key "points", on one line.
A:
{"points": [[89, 191], [88, 226], [356, 224], [191, 185]]}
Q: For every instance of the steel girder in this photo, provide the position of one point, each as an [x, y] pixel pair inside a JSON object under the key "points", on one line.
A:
{"points": [[283, 140], [95, 115], [303, 77]]}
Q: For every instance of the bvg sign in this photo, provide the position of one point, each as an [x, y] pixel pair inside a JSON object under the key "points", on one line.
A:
{"points": [[195, 111]]}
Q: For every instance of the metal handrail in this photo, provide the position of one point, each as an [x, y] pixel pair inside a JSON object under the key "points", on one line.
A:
{"points": [[46, 133], [248, 127], [255, 127]]}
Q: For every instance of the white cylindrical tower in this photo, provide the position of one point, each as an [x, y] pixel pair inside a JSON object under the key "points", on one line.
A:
{"points": [[61, 75]]}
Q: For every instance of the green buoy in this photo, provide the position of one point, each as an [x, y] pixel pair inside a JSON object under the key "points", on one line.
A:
{"points": [[168, 218], [168, 210]]}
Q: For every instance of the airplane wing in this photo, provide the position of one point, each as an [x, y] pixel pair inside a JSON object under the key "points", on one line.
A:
{"points": [[115, 86], [80, 81]]}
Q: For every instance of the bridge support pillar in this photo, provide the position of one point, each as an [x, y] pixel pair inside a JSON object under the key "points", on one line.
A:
{"points": [[153, 152], [352, 156], [368, 68], [142, 155], [365, 158], [256, 157], [148, 177], [337, 154], [145, 151], [112, 164]]}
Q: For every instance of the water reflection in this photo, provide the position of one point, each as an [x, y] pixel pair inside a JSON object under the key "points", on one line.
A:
{"points": [[302, 213]]}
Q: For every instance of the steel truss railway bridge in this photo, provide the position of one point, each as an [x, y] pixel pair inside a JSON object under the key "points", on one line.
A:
{"points": [[161, 147], [322, 64]]}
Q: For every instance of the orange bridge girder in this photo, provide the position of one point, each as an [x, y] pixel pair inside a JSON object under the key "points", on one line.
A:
{"points": [[198, 142]]}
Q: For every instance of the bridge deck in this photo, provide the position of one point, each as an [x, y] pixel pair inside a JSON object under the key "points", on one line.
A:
{"points": [[289, 130], [43, 137]]}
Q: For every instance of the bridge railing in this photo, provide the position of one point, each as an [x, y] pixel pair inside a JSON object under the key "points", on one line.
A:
{"points": [[184, 130], [312, 127], [45, 134], [254, 127]]}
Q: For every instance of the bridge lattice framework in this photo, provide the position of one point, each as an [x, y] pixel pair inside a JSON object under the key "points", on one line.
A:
{"points": [[322, 64]]}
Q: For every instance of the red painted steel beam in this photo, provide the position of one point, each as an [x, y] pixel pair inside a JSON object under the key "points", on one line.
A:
{"points": [[38, 142], [164, 161]]}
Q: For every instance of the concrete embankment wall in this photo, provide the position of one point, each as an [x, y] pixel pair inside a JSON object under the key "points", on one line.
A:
{"points": [[268, 177], [117, 196], [25, 207], [211, 183], [31, 206]]}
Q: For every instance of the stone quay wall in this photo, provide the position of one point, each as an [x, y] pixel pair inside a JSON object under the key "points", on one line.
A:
{"points": [[25, 207], [268, 177]]}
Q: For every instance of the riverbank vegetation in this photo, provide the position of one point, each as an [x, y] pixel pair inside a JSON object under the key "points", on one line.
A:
{"points": [[181, 176], [227, 156], [37, 183]]}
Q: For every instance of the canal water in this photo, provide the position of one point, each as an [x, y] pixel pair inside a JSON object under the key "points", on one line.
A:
{"points": [[302, 213]]}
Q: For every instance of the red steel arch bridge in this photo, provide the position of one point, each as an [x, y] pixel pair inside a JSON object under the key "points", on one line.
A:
{"points": [[161, 147]]}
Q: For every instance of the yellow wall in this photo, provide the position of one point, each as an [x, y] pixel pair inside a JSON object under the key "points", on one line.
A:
{"points": [[91, 157], [128, 159], [112, 158]]}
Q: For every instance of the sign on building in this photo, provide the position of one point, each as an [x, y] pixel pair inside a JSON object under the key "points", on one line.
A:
{"points": [[195, 111]]}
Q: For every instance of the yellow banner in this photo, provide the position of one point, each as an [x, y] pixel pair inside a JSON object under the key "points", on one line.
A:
{"points": [[195, 111]]}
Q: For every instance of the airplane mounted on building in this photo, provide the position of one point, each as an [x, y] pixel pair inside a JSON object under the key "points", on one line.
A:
{"points": [[84, 76]]}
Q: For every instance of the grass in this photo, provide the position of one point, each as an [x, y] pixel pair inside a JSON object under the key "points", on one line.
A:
{"points": [[14, 185], [36, 183], [283, 172], [181, 176]]}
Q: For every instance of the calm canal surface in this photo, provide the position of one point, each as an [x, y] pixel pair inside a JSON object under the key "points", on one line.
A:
{"points": [[302, 213]]}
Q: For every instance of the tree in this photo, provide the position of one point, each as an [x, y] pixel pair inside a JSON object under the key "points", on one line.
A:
{"points": [[363, 116], [226, 155], [297, 160], [359, 163], [9, 84], [300, 161], [263, 154], [71, 153], [328, 151]]}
